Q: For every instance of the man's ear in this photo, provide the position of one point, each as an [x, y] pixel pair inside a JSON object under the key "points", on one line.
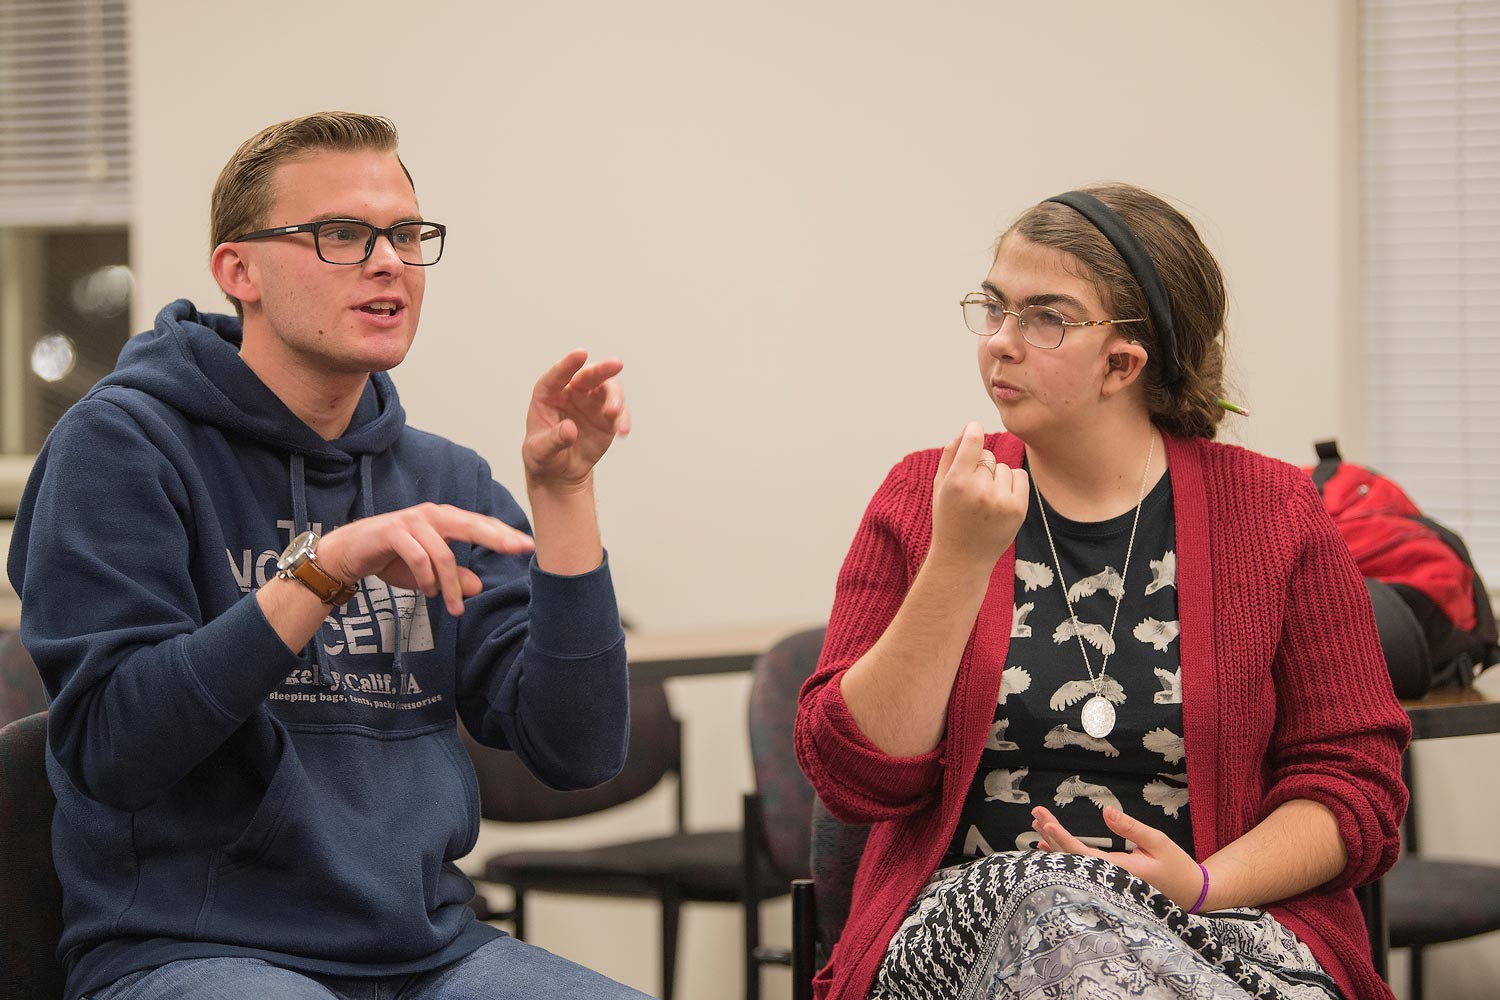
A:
{"points": [[1123, 365], [235, 272]]}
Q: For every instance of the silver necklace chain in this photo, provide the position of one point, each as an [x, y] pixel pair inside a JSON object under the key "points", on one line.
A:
{"points": [[1097, 681]]}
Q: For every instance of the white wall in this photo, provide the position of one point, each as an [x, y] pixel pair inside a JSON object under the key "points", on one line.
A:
{"points": [[769, 211], [770, 214]]}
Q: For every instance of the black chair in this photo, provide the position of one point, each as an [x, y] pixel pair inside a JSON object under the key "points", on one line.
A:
{"points": [[1428, 901], [1371, 897], [21, 691], [1424, 901], [778, 816], [820, 904], [680, 867], [30, 898]]}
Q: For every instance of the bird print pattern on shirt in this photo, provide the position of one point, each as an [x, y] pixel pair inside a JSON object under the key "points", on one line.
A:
{"points": [[1095, 635], [1064, 736], [1171, 686], [1107, 579], [1018, 627], [997, 740], [1000, 786], [1166, 743], [1163, 572], [1158, 634], [1076, 691], [1168, 791], [1014, 680], [1075, 787], [1035, 752], [1033, 575]]}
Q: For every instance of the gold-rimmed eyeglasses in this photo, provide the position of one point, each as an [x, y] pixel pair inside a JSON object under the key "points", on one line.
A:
{"points": [[1041, 326]]}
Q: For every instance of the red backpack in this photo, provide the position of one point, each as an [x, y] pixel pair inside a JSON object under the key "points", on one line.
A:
{"points": [[1432, 609]]}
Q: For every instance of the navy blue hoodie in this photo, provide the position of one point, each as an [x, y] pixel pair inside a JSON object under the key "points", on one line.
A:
{"points": [[219, 794]]}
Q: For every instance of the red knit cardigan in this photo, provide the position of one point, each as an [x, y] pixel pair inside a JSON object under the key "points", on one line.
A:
{"points": [[1285, 695]]}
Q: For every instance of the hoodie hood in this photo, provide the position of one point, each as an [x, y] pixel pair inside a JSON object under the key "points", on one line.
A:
{"points": [[191, 362]]}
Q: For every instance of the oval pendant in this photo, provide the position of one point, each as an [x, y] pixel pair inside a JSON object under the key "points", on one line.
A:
{"points": [[1098, 717]]}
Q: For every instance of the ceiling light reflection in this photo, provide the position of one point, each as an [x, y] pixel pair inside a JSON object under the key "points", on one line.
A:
{"points": [[53, 357]]}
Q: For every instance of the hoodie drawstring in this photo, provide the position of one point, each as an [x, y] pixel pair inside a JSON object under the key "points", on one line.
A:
{"points": [[367, 501], [298, 472], [298, 467]]}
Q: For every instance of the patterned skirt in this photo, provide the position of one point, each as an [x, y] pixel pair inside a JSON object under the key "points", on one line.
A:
{"points": [[1032, 925]]}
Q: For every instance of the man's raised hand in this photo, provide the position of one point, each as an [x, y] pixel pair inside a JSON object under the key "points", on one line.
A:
{"points": [[577, 410]]}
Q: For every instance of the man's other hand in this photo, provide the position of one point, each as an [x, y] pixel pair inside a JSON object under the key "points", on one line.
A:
{"points": [[409, 548]]}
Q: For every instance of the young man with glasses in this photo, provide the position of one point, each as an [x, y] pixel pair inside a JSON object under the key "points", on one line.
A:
{"points": [[260, 602]]}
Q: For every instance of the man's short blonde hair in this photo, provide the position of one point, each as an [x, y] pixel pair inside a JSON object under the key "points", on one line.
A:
{"points": [[242, 194]]}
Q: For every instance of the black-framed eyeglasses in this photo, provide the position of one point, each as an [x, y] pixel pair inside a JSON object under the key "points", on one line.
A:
{"points": [[1041, 326], [350, 241]]}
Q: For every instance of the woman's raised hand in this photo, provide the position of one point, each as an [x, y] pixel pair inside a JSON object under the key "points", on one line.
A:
{"points": [[977, 504], [577, 410]]}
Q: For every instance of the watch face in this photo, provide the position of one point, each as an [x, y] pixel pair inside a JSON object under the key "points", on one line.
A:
{"points": [[298, 551]]}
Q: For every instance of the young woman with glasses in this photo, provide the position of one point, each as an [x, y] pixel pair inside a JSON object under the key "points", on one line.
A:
{"points": [[1110, 692]]}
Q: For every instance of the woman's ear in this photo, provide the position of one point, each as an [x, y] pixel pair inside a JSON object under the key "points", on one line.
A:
{"points": [[235, 272], [1123, 365]]}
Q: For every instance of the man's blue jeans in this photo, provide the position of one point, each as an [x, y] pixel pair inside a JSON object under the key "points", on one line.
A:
{"points": [[504, 969]]}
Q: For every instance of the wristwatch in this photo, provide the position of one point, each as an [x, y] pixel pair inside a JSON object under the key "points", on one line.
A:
{"points": [[299, 562]]}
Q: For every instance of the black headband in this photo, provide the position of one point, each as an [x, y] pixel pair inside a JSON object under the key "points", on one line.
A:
{"points": [[1139, 261]]}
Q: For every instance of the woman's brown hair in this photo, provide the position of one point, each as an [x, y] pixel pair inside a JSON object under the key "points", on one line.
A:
{"points": [[1194, 287]]}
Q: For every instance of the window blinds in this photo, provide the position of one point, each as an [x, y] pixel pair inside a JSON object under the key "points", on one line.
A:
{"points": [[1430, 105], [64, 113]]}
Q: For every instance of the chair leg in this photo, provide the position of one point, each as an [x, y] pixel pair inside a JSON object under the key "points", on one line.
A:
{"points": [[1372, 903], [1415, 965], [670, 905], [749, 881], [804, 938], [752, 942], [518, 914]]}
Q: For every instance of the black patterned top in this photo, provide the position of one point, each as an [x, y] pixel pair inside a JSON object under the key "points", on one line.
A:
{"points": [[1037, 752]]}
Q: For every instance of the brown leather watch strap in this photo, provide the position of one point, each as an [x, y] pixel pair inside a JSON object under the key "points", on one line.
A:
{"points": [[329, 590], [299, 562]]}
